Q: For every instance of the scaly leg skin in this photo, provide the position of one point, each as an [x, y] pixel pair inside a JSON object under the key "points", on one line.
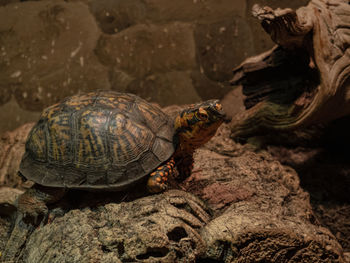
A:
{"points": [[185, 167], [158, 180], [31, 212]]}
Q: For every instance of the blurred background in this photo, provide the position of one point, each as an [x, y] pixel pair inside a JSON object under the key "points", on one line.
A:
{"points": [[168, 52]]}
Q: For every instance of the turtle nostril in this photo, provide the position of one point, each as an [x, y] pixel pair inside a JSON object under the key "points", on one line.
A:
{"points": [[227, 119]]}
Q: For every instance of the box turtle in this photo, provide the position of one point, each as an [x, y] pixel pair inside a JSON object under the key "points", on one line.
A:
{"points": [[110, 140], [107, 141]]}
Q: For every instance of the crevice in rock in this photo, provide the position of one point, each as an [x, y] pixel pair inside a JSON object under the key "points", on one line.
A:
{"points": [[177, 234], [156, 252]]}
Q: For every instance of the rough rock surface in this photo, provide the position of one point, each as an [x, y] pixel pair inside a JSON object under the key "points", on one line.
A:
{"points": [[58, 48], [8, 197], [214, 47], [5, 226], [175, 81], [48, 52], [324, 171], [143, 49], [254, 210], [163, 227]]}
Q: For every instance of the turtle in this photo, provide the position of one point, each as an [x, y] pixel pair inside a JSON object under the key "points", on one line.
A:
{"points": [[304, 80], [107, 140]]}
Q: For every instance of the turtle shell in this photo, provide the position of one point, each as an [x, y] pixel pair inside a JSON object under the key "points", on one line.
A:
{"points": [[99, 140]]}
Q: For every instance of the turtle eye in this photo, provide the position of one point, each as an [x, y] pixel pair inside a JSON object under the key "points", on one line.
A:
{"points": [[202, 114]]}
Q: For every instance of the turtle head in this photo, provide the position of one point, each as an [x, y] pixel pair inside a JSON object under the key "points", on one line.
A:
{"points": [[198, 123]]}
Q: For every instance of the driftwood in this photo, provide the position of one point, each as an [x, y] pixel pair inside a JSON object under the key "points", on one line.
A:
{"points": [[238, 206], [12, 149], [304, 79]]}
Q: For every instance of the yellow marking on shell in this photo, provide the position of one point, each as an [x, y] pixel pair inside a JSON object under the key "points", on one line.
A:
{"points": [[78, 102], [113, 103], [127, 139], [48, 112], [91, 148], [153, 115], [158, 179], [153, 174], [124, 99], [38, 142], [119, 148]]}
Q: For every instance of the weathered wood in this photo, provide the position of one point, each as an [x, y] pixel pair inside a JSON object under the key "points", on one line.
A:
{"points": [[305, 79], [11, 151]]}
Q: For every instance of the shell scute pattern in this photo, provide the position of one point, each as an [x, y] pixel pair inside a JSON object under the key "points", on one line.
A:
{"points": [[36, 144], [59, 139], [97, 140], [90, 139], [78, 102], [127, 139], [153, 116]]}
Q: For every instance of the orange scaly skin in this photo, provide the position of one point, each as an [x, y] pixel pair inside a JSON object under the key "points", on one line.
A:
{"points": [[194, 127], [157, 181]]}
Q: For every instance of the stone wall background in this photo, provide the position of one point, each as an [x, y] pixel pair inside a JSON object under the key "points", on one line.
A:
{"points": [[168, 52]]}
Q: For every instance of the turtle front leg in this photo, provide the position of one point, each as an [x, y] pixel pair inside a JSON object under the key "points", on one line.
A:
{"points": [[32, 204], [158, 180], [31, 212]]}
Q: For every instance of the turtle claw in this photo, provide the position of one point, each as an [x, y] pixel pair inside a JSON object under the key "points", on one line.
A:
{"points": [[157, 182]]}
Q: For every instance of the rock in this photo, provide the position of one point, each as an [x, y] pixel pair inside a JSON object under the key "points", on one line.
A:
{"points": [[11, 151], [208, 89], [5, 225], [48, 51], [18, 116], [6, 2], [38, 69], [149, 49], [255, 211], [8, 197], [223, 45], [120, 80], [166, 88], [114, 16], [5, 93], [162, 228], [196, 10], [242, 236], [262, 214]]}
